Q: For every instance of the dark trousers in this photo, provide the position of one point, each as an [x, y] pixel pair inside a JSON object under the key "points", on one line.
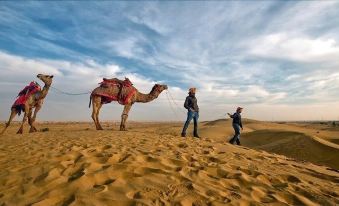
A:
{"points": [[191, 115], [236, 137]]}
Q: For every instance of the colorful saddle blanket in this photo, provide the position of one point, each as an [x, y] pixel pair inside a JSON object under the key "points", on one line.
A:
{"points": [[24, 94], [116, 82], [126, 90]]}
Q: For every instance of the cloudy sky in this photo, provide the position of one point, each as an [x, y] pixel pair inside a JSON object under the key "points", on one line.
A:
{"points": [[278, 59]]}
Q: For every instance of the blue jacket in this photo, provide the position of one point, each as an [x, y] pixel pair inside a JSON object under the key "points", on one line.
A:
{"points": [[237, 119], [191, 102]]}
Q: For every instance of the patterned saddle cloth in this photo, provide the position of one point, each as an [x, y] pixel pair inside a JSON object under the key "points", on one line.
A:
{"points": [[24, 94], [126, 90]]}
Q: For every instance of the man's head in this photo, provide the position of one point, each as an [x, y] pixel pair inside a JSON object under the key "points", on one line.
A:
{"points": [[239, 109], [192, 91]]}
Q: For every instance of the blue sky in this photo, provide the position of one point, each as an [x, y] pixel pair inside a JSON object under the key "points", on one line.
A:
{"points": [[278, 59]]}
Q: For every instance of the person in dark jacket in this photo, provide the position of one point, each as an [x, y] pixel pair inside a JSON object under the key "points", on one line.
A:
{"points": [[191, 104], [237, 124]]}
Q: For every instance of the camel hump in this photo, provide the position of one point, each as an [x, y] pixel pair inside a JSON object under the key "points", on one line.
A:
{"points": [[112, 80], [116, 81]]}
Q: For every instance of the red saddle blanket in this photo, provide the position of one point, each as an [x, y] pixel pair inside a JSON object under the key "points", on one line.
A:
{"points": [[24, 94], [126, 90]]}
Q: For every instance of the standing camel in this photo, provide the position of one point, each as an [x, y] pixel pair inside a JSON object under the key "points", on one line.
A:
{"points": [[117, 91], [34, 101]]}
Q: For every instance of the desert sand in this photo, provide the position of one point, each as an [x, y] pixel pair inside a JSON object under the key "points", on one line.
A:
{"points": [[73, 164]]}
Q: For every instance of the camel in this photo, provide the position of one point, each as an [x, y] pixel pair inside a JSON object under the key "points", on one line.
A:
{"points": [[35, 102], [118, 90]]}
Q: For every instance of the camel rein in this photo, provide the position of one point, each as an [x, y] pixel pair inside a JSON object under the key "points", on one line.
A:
{"points": [[71, 94], [173, 103], [169, 96]]}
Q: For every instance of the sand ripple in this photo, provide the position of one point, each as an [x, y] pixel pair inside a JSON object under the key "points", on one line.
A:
{"points": [[139, 168]]}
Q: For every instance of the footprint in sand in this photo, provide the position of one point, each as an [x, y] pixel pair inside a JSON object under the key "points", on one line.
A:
{"points": [[102, 187], [77, 174], [108, 146], [39, 179], [69, 200], [293, 179]]}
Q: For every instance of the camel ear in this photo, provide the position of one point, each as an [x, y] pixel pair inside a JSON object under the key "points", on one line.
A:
{"points": [[51, 76]]}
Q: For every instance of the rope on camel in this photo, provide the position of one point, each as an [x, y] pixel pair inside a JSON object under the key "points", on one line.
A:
{"points": [[173, 103], [170, 95], [172, 108], [67, 93], [170, 99]]}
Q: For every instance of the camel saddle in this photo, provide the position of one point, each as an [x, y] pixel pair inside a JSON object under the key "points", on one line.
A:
{"points": [[115, 82], [23, 95], [126, 90]]}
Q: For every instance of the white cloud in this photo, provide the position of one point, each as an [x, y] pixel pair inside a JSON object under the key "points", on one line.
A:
{"points": [[15, 65], [296, 48], [292, 77], [147, 17], [234, 53], [125, 47]]}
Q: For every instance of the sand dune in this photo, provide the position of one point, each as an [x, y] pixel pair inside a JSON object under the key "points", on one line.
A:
{"points": [[297, 141], [72, 164], [293, 144]]}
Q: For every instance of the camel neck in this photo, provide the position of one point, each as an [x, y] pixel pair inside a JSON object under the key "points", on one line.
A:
{"points": [[144, 98], [45, 91]]}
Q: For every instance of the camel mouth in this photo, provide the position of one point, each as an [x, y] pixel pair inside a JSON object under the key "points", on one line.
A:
{"points": [[165, 87]]}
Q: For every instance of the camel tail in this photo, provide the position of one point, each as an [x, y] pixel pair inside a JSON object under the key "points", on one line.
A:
{"points": [[90, 101]]}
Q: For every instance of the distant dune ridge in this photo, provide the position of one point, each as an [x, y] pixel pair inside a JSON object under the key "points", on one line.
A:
{"points": [[293, 140], [293, 144], [72, 164]]}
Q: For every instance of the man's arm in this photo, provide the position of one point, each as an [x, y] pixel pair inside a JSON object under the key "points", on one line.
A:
{"points": [[230, 115], [186, 103]]}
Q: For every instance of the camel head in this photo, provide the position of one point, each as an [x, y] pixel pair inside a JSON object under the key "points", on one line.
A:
{"points": [[47, 79], [158, 88]]}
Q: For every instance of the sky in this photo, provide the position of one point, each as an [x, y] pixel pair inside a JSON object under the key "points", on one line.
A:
{"points": [[277, 59]]}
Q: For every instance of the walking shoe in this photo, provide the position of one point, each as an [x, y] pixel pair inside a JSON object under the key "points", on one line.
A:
{"points": [[183, 135], [196, 135]]}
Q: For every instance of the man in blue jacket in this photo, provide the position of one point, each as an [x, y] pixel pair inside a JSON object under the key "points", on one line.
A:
{"points": [[237, 124], [191, 104]]}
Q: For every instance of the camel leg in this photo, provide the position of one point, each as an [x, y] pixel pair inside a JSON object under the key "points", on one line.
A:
{"points": [[94, 111], [36, 110], [96, 104], [11, 117], [124, 117], [29, 116], [97, 116], [24, 119]]}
